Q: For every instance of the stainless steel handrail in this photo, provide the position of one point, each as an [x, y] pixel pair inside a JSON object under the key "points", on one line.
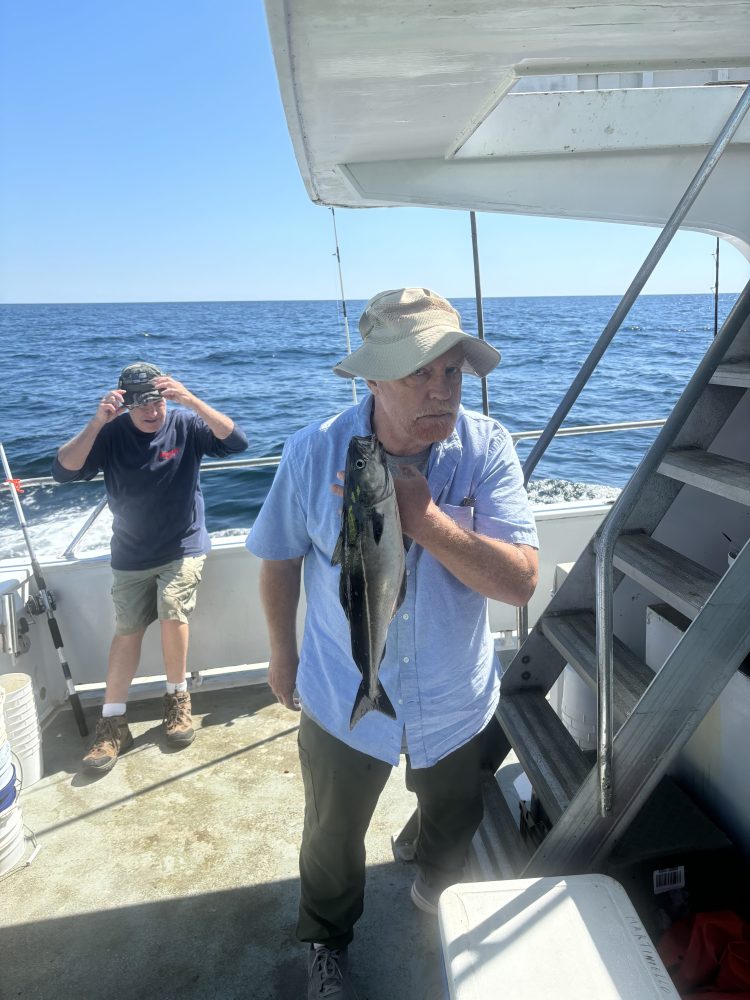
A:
{"points": [[644, 272], [613, 526], [224, 463], [604, 568], [70, 552], [271, 461], [615, 522], [628, 425]]}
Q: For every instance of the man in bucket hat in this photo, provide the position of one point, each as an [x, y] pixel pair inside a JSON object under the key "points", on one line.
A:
{"points": [[150, 457], [470, 536]]}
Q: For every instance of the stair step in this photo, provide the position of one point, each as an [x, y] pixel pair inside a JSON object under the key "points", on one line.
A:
{"points": [[683, 584], [498, 847], [733, 373], [725, 477], [574, 637], [554, 763]]}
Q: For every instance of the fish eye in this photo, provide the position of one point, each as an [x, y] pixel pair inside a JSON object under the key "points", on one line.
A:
{"points": [[360, 463]]}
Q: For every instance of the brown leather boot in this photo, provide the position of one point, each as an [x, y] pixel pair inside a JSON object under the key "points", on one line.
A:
{"points": [[112, 738], [178, 720]]}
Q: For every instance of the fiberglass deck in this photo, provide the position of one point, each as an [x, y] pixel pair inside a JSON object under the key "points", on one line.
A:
{"points": [[175, 876]]}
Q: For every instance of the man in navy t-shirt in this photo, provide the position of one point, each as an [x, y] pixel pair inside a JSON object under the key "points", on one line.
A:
{"points": [[151, 459]]}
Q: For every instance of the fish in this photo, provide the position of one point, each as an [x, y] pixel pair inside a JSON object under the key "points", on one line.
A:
{"points": [[370, 551]]}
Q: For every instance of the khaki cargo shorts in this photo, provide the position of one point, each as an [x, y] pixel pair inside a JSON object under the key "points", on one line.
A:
{"points": [[165, 592]]}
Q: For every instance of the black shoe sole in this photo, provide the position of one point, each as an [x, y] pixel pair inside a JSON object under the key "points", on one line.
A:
{"points": [[94, 768], [180, 741]]}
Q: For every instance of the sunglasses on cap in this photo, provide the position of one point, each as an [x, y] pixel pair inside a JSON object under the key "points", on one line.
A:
{"points": [[145, 394]]}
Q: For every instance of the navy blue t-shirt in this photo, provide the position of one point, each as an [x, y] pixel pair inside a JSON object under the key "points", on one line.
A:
{"points": [[153, 487]]}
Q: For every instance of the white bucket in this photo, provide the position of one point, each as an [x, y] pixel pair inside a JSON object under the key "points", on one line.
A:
{"points": [[25, 730], [6, 764], [22, 726], [578, 709], [11, 838], [20, 710], [28, 759], [17, 688]]}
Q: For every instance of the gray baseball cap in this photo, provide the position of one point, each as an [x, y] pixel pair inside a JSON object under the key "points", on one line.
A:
{"points": [[136, 381]]}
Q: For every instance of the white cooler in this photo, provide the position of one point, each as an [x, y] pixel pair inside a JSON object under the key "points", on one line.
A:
{"points": [[575, 937]]}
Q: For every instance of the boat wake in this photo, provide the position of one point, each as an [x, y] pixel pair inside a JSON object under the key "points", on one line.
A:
{"points": [[554, 491], [52, 531]]}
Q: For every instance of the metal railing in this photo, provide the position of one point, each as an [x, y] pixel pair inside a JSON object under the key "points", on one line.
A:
{"points": [[644, 272], [272, 461], [604, 566], [615, 522]]}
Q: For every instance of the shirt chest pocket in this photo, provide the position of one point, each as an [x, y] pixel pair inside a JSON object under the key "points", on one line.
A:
{"points": [[463, 516]]}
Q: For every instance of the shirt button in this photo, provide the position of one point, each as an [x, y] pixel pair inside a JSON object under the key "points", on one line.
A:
{"points": [[400, 702], [405, 617], [406, 659], [408, 572]]}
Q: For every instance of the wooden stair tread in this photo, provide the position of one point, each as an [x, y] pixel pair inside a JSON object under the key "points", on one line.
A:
{"points": [[726, 477], [574, 637], [682, 583], [554, 763], [733, 373], [498, 847]]}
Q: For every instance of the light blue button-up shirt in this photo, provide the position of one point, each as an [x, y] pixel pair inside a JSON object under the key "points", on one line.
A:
{"points": [[440, 669]]}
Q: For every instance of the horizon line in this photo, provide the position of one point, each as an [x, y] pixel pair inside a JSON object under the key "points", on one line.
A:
{"points": [[352, 298]]}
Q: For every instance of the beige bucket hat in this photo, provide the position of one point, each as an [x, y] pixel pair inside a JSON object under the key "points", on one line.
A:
{"points": [[404, 329]]}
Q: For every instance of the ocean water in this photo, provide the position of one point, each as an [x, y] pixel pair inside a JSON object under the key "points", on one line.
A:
{"points": [[268, 365]]}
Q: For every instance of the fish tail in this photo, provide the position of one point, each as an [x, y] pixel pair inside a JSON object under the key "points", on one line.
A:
{"points": [[363, 704]]}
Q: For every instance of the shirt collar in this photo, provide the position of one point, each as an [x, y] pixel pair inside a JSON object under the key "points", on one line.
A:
{"points": [[444, 456]]}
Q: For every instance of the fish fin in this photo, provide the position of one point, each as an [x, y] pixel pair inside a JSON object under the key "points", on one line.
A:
{"points": [[345, 593], [401, 594], [364, 704], [338, 552], [377, 525]]}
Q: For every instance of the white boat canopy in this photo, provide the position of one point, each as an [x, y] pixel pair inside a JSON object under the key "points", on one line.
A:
{"points": [[602, 110]]}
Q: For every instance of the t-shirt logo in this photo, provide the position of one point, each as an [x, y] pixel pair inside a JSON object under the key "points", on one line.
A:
{"points": [[169, 454]]}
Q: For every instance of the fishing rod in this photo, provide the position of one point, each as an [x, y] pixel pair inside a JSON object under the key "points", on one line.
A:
{"points": [[716, 291], [337, 255], [46, 598], [478, 296]]}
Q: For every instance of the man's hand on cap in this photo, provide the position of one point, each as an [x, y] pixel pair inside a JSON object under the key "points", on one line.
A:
{"points": [[111, 406], [171, 389]]}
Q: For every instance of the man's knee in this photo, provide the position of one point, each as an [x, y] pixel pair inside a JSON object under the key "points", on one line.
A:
{"points": [[178, 588], [134, 599]]}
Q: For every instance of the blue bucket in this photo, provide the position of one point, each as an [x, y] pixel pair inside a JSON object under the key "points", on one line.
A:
{"points": [[8, 794]]}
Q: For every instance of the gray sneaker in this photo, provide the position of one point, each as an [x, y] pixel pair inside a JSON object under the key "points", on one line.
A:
{"points": [[425, 896], [327, 975]]}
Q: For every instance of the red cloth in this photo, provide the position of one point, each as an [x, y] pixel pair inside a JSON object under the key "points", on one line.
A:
{"points": [[708, 954]]}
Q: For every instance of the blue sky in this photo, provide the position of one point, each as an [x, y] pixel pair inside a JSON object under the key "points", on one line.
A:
{"points": [[145, 157]]}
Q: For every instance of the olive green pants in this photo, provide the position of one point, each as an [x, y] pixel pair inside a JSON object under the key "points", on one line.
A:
{"points": [[342, 787]]}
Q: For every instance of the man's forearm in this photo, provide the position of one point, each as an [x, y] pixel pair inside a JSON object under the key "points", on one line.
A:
{"points": [[73, 454], [280, 582], [220, 425], [499, 570]]}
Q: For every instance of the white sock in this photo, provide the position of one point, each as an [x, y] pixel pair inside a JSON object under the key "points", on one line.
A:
{"points": [[171, 688], [111, 708]]}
